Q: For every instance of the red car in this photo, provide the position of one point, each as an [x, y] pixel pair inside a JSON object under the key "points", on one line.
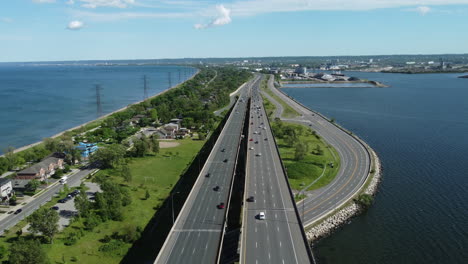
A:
{"points": [[251, 139], [221, 206]]}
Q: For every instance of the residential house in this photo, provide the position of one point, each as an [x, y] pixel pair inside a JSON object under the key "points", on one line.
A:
{"points": [[87, 149], [6, 189], [136, 119], [42, 170], [182, 132]]}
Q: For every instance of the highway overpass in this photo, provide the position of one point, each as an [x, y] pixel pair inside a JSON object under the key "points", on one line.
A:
{"points": [[279, 238], [196, 236]]}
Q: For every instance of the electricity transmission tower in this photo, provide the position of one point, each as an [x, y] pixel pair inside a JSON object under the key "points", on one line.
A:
{"points": [[169, 79], [98, 100], [145, 87]]}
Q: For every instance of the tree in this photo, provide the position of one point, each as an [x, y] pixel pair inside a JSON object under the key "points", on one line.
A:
{"points": [[44, 221], [364, 200], [140, 148], [27, 252], [11, 158], [110, 156], [126, 173], [33, 185], [155, 144], [92, 221], [300, 151], [51, 144], [82, 204], [3, 251], [154, 115]]}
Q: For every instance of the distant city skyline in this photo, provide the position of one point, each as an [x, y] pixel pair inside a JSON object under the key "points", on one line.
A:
{"points": [[58, 30]]}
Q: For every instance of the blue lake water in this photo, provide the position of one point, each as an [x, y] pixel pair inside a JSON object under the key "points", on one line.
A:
{"points": [[419, 128], [328, 85], [40, 101]]}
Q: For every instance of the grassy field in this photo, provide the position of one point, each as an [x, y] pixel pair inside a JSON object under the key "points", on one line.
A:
{"points": [[303, 172], [288, 111], [157, 174]]}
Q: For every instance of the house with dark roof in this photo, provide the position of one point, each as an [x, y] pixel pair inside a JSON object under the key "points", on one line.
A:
{"points": [[42, 170]]}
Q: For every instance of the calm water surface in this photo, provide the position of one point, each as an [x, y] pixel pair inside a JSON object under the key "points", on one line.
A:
{"points": [[40, 101], [419, 128]]}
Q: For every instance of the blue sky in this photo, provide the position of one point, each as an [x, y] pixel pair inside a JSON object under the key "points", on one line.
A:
{"points": [[52, 30]]}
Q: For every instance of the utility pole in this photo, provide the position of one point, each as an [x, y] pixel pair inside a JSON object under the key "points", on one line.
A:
{"points": [[98, 100], [169, 79], [179, 76], [145, 88]]}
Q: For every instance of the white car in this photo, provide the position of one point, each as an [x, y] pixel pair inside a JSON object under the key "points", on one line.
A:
{"points": [[261, 216], [259, 154], [251, 148], [255, 132]]}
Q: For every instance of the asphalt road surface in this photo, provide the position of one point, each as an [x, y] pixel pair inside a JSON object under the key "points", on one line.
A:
{"points": [[12, 220], [355, 162], [198, 230], [277, 238]]}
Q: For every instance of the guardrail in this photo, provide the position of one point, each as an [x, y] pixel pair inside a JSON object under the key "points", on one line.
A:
{"points": [[241, 136], [296, 211], [359, 140], [191, 194]]}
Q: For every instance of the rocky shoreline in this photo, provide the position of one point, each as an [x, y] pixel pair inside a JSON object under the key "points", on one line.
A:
{"points": [[343, 216]]}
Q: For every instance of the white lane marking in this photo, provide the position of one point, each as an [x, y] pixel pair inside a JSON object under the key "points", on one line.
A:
{"points": [[256, 245]]}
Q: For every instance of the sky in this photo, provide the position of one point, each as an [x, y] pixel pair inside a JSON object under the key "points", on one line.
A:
{"points": [[56, 30]]}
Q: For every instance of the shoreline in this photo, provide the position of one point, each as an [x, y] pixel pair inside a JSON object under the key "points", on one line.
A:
{"points": [[101, 117], [342, 216], [337, 218], [325, 83]]}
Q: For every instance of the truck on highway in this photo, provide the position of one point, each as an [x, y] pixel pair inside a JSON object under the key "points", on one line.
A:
{"points": [[63, 180]]}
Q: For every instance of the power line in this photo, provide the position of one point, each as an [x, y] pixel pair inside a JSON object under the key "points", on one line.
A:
{"points": [[98, 100], [169, 79], [145, 88]]}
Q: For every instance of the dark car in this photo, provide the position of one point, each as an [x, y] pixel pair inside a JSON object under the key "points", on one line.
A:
{"points": [[216, 188], [251, 199], [54, 208], [223, 150], [266, 139], [225, 160], [64, 200], [256, 142], [18, 211], [221, 206], [207, 175]]}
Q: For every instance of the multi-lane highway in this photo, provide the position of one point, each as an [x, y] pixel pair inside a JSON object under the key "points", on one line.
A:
{"points": [[278, 237], [355, 161], [197, 233]]}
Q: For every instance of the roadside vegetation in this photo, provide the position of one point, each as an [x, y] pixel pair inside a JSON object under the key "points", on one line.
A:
{"points": [[288, 111], [309, 161], [135, 179]]}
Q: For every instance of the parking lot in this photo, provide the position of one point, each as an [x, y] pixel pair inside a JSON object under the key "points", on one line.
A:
{"points": [[67, 208]]}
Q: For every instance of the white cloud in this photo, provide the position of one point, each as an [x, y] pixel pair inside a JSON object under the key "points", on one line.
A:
{"points": [[106, 3], [43, 1], [223, 18], [6, 20], [70, 2], [254, 7], [423, 10], [107, 17], [75, 25]]}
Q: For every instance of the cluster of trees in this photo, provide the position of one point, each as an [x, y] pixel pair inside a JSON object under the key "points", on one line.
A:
{"points": [[144, 145], [13, 160]]}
